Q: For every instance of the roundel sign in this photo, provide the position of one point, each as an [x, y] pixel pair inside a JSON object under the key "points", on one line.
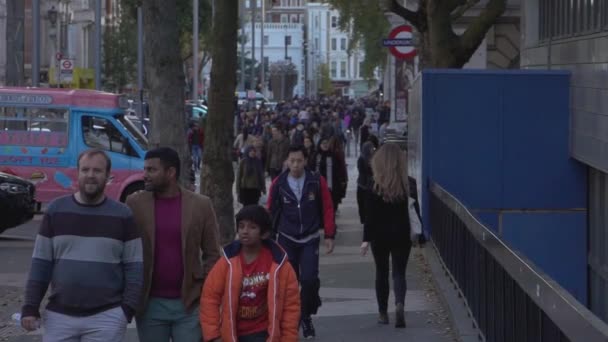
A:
{"points": [[400, 42]]}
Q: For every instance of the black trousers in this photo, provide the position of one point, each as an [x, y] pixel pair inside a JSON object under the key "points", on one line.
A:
{"points": [[398, 251]]}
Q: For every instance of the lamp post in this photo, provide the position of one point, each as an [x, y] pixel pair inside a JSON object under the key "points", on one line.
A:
{"points": [[52, 15]]}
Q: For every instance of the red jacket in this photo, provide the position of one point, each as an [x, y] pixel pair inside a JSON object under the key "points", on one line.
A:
{"points": [[221, 292]]}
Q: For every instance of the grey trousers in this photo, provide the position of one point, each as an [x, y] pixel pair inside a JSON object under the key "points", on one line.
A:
{"points": [[110, 325]]}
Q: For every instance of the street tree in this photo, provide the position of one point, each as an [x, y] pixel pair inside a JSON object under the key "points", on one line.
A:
{"points": [[439, 46], [165, 79], [119, 54], [217, 174]]}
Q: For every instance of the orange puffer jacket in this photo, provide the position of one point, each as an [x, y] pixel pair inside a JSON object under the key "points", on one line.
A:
{"points": [[222, 289]]}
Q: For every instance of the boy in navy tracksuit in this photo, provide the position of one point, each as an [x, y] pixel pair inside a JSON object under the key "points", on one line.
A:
{"points": [[300, 204]]}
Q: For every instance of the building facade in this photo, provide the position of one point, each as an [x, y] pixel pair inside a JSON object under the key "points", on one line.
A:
{"points": [[329, 45], [67, 31], [573, 36]]}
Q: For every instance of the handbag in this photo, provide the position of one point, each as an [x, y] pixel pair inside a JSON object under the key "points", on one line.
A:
{"points": [[415, 223]]}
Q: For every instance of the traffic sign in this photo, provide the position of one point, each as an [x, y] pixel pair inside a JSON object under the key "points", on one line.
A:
{"points": [[67, 64], [400, 42], [58, 56], [67, 70]]}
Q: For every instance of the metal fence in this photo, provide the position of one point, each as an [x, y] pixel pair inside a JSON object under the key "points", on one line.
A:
{"points": [[508, 297]]}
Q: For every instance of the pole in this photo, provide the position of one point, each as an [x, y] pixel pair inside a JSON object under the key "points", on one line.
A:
{"points": [[253, 4], [242, 40], [97, 44], [262, 65], [36, 44], [140, 60], [195, 50]]}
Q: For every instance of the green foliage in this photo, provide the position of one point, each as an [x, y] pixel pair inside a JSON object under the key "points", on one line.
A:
{"points": [[185, 20], [369, 26], [323, 75], [120, 54]]}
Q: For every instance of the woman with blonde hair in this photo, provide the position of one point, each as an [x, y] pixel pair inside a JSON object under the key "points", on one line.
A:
{"points": [[387, 226]]}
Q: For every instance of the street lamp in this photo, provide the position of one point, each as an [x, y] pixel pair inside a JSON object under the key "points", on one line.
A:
{"points": [[52, 15]]}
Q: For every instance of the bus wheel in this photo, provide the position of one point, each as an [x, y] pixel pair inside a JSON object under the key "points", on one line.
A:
{"points": [[131, 189]]}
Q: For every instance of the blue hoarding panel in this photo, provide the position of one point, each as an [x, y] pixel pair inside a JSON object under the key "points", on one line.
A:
{"points": [[538, 171], [556, 242]]}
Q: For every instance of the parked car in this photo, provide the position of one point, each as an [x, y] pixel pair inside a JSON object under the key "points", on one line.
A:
{"points": [[17, 201]]}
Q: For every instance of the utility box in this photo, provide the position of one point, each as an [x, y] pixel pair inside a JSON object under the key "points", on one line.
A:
{"points": [[499, 142]]}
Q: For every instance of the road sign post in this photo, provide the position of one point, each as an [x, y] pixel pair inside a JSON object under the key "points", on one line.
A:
{"points": [[67, 70]]}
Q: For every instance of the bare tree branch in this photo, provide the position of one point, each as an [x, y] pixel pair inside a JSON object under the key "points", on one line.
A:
{"points": [[460, 11], [476, 32], [405, 13]]}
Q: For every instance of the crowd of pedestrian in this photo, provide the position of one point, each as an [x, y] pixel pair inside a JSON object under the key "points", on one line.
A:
{"points": [[157, 259]]}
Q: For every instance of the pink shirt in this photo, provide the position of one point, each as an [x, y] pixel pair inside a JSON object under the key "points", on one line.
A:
{"points": [[168, 264]]}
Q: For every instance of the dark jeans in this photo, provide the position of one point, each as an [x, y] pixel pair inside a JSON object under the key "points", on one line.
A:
{"points": [[304, 258], [250, 196], [256, 337], [399, 252]]}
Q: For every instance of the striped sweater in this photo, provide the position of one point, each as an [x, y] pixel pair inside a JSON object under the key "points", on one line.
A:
{"points": [[92, 257]]}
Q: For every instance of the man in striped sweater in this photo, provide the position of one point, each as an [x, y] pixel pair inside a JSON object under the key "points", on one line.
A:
{"points": [[90, 251]]}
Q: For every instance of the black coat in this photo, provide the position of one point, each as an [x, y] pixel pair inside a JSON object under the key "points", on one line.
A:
{"points": [[386, 221]]}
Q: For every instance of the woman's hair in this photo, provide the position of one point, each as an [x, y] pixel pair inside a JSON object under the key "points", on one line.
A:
{"points": [[389, 167]]}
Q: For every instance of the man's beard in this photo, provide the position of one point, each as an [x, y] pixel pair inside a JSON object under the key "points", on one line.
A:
{"points": [[92, 191]]}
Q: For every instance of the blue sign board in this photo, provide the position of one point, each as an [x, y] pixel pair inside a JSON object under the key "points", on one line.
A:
{"points": [[397, 42]]}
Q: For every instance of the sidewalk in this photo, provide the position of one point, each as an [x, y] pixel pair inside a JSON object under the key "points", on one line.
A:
{"points": [[349, 310]]}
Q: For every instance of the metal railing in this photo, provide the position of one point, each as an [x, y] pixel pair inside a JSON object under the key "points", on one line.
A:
{"points": [[508, 297]]}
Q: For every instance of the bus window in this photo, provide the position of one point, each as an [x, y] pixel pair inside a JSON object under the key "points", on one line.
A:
{"points": [[39, 127], [102, 134]]}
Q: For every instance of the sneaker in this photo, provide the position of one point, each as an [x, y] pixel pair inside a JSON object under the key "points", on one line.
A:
{"points": [[308, 329], [383, 318]]}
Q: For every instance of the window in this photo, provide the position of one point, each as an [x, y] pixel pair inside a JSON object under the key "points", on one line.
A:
{"points": [[360, 69], [316, 44], [301, 18], [334, 21], [266, 39], [294, 18], [343, 44], [566, 18], [317, 21], [34, 126], [333, 44], [333, 70], [284, 18], [284, 3], [247, 3], [343, 69], [100, 133]]}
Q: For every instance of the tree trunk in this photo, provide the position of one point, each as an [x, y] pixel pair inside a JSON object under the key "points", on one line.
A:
{"points": [[443, 43], [15, 42], [165, 80], [217, 174]]}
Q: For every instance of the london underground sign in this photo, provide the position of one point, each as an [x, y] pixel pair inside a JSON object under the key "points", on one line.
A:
{"points": [[400, 42]]}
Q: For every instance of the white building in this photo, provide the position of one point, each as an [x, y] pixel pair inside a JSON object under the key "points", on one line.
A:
{"points": [[329, 45], [281, 41]]}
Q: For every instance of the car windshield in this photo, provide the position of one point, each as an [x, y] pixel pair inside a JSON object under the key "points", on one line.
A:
{"points": [[137, 135]]}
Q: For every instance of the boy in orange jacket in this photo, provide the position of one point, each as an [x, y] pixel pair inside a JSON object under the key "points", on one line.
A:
{"points": [[252, 293]]}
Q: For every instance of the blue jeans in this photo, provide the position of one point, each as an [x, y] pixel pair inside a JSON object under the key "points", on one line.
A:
{"points": [[197, 154], [167, 320]]}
